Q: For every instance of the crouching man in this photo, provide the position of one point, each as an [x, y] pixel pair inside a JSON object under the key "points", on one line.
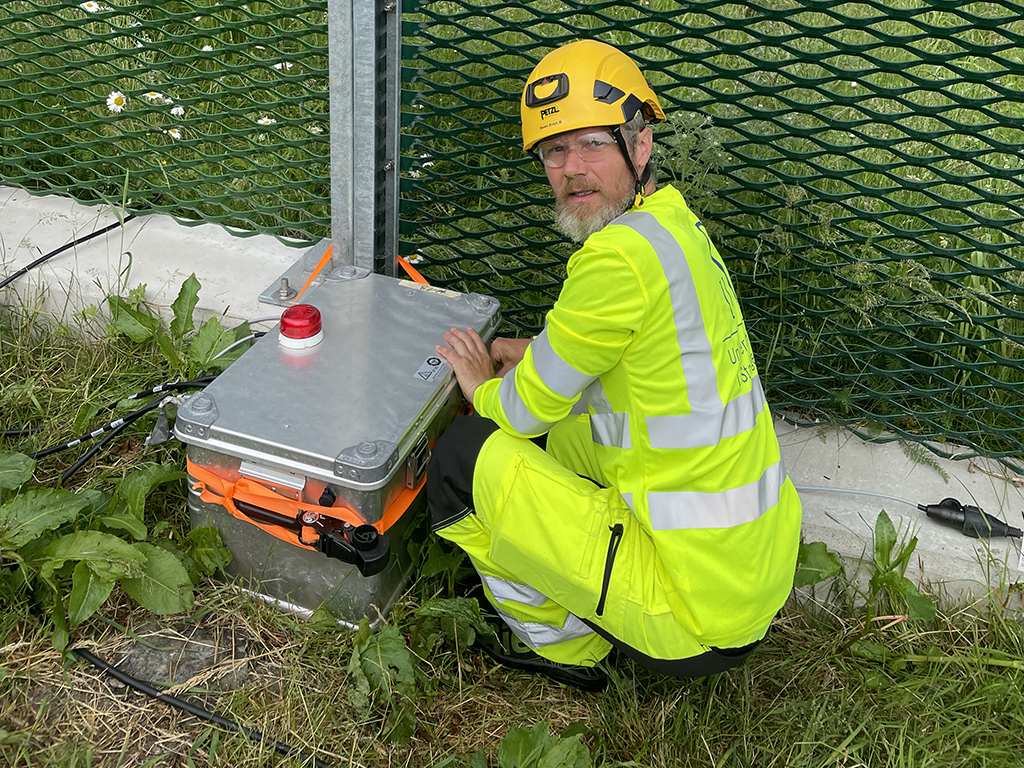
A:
{"points": [[661, 522]]}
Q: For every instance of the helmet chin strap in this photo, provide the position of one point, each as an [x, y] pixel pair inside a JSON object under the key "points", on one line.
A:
{"points": [[640, 180]]}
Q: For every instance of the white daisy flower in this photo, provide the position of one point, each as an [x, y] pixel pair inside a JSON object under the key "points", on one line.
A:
{"points": [[90, 7], [116, 101], [283, 66], [207, 48], [174, 133], [178, 111], [153, 96], [266, 121], [416, 259], [316, 129]]}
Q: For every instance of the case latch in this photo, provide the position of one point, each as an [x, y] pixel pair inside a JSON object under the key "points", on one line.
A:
{"points": [[416, 466]]}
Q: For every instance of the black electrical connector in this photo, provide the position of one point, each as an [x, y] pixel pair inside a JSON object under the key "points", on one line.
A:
{"points": [[969, 519]]}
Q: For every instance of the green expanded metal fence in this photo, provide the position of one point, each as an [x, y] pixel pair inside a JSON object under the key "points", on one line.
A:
{"points": [[857, 163]]}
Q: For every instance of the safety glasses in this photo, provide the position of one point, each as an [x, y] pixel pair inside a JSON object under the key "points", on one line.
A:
{"points": [[589, 147]]}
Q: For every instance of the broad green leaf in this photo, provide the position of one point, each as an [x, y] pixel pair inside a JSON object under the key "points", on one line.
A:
{"points": [[88, 592], [137, 326], [97, 502], [567, 753], [15, 469], [381, 669], [128, 523], [167, 348], [164, 586], [108, 556], [441, 561], [458, 617], [207, 549], [60, 625], [869, 649], [522, 748], [919, 606], [32, 513], [210, 340], [885, 540], [576, 728], [184, 306], [814, 564], [133, 490]]}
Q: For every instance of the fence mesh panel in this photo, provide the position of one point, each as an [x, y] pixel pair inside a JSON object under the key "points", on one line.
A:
{"points": [[210, 111], [856, 163]]}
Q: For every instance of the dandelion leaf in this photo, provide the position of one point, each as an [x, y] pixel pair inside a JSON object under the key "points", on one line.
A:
{"points": [[30, 514], [815, 564], [133, 490], [15, 469], [184, 306], [164, 585], [458, 617], [523, 748], [205, 546], [88, 593], [106, 555]]}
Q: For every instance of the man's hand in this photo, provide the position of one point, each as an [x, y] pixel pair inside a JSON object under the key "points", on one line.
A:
{"points": [[506, 354], [467, 355]]}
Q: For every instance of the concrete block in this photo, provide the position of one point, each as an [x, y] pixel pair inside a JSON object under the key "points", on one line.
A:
{"points": [[951, 564], [153, 250]]}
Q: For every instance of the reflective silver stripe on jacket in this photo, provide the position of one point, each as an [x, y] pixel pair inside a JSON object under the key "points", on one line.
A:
{"points": [[509, 590], [536, 635], [518, 415], [710, 420], [558, 375], [606, 427], [698, 430], [678, 510]]}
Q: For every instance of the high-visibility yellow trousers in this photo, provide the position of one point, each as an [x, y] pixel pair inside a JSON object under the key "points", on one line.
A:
{"points": [[559, 554]]}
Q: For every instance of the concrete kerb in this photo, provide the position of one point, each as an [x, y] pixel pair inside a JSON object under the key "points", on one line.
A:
{"points": [[952, 566], [153, 250], [233, 271]]}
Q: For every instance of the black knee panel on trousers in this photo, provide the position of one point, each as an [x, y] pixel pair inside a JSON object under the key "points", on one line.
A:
{"points": [[450, 471]]}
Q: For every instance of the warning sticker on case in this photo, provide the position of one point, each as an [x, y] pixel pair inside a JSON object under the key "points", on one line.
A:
{"points": [[434, 289], [430, 368]]}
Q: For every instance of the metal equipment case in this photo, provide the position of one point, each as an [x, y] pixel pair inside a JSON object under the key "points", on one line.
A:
{"points": [[344, 427]]}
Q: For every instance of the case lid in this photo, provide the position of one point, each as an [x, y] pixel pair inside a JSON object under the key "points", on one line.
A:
{"points": [[348, 410]]}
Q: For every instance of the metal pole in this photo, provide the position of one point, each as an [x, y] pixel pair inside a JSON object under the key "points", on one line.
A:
{"points": [[364, 67]]}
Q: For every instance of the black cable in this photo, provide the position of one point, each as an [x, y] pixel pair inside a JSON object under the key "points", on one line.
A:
{"points": [[11, 278], [89, 454], [20, 432], [199, 383], [197, 711], [133, 416]]}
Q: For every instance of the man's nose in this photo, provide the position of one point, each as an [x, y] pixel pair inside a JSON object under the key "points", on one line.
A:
{"points": [[574, 163]]}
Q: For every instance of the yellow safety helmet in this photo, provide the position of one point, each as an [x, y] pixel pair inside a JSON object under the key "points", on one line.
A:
{"points": [[583, 85]]}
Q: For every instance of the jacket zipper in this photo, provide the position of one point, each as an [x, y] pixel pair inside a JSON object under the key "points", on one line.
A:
{"points": [[609, 562]]}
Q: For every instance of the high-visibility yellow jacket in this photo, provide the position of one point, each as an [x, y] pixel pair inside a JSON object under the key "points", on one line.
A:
{"points": [[648, 326]]}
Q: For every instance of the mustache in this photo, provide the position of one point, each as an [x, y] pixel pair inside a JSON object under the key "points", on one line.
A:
{"points": [[579, 186]]}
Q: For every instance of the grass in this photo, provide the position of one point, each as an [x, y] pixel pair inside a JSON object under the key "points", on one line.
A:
{"points": [[829, 687]]}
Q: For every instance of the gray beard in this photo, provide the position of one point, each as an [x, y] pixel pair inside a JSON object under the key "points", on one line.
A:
{"points": [[578, 227]]}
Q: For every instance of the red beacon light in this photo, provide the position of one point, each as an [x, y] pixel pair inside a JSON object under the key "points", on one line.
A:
{"points": [[301, 327]]}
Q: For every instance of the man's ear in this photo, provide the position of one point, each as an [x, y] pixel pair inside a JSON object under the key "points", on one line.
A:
{"points": [[644, 145]]}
